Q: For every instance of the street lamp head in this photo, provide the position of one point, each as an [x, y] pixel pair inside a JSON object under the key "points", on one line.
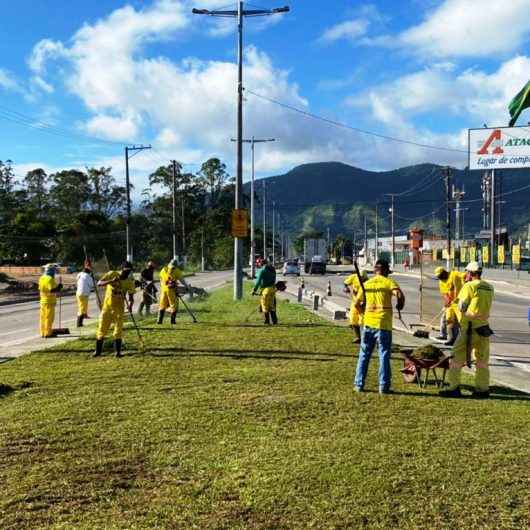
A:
{"points": [[284, 9], [196, 11]]}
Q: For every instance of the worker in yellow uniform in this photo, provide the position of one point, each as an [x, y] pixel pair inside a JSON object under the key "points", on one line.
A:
{"points": [[377, 320], [48, 289], [265, 284], [119, 291], [449, 284], [170, 276], [353, 286], [474, 302]]}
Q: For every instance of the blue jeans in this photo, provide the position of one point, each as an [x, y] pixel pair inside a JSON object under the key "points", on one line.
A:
{"points": [[370, 337]]}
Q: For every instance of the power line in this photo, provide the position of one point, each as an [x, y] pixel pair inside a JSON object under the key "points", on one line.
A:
{"points": [[35, 124], [351, 128]]}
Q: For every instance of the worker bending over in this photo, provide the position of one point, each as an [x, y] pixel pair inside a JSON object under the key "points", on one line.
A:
{"points": [[170, 276], [474, 302], [85, 284], [353, 286], [48, 289], [119, 286], [149, 290], [450, 284], [377, 319], [265, 283]]}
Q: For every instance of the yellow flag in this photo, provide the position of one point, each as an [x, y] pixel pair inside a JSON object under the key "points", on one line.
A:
{"points": [[463, 254], [472, 253], [485, 254], [516, 254], [500, 255]]}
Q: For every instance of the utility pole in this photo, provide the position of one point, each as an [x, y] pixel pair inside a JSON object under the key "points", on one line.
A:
{"points": [[365, 242], [376, 231], [240, 15], [135, 149], [492, 216], [264, 221], [458, 195], [203, 268], [329, 242], [174, 167], [392, 223], [273, 233], [253, 141], [447, 174]]}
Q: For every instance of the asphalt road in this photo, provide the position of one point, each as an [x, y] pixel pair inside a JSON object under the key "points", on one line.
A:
{"points": [[510, 345], [19, 323]]}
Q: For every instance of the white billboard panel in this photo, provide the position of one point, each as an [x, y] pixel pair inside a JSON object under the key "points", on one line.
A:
{"points": [[500, 148]]}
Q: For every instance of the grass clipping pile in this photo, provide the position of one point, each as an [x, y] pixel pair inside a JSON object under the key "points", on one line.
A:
{"points": [[428, 352]]}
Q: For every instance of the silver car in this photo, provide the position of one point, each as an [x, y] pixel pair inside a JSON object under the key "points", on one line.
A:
{"points": [[291, 267]]}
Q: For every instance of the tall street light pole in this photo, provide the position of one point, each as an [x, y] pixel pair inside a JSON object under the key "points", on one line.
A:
{"points": [[239, 14], [253, 141], [135, 149]]}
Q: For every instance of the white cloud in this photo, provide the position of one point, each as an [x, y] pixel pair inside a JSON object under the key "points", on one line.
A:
{"points": [[350, 30], [188, 106], [470, 28], [473, 95], [124, 127], [8, 81]]}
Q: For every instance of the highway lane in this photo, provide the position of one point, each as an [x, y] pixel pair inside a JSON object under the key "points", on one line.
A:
{"points": [[19, 323]]}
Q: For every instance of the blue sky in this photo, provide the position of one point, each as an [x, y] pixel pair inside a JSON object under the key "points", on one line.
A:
{"points": [[151, 72]]}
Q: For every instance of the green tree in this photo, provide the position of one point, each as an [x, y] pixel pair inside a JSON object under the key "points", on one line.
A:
{"points": [[213, 177], [35, 183], [103, 193]]}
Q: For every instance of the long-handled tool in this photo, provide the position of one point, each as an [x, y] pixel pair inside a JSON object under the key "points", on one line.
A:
{"points": [[469, 344], [140, 338], [88, 263], [60, 330], [190, 312]]}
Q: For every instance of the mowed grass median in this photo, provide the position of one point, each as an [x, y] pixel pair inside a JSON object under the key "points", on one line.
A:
{"points": [[232, 425]]}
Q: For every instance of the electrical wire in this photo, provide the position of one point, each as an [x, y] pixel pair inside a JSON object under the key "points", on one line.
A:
{"points": [[351, 128], [35, 124]]}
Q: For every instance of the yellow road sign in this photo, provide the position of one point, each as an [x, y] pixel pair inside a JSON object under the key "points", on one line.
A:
{"points": [[240, 222]]}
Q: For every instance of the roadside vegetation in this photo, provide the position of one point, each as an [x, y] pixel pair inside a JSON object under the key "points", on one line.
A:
{"points": [[228, 424]]}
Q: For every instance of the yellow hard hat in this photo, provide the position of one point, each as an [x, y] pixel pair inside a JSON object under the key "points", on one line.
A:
{"points": [[438, 271]]}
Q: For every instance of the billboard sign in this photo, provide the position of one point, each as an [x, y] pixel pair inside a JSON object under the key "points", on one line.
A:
{"points": [[500, 148]]}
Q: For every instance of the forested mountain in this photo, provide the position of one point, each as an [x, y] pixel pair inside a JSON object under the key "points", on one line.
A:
{"points": [[313, 197]]}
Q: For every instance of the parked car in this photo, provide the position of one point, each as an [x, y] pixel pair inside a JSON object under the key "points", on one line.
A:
{"points": [[316, 266], [291, 267]]}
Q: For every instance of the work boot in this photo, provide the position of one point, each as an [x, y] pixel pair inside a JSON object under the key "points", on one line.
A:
{"points": [[140, 308], [450, 342], [267, 320], [161, 314], [441, 337], [356, 334], [80, 321], [117, 347], [454, 393], [99, 348], [274, 317], [174, 317], [481, 394]]}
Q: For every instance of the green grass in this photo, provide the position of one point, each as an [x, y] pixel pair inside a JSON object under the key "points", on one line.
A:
{"points": [[223, 424]]}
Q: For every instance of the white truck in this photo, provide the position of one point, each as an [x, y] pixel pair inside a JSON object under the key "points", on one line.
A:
{"points": [[315, 256]]}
